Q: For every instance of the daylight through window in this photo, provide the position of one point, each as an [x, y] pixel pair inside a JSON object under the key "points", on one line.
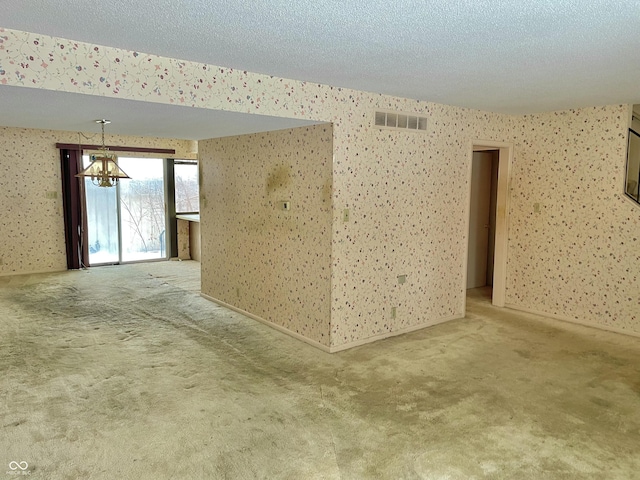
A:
{"points": [[186, 185]]}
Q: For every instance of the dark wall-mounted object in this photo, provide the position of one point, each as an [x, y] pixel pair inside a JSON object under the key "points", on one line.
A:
{"points": [[632, 174]]}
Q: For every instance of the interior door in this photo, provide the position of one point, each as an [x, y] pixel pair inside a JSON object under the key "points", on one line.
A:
{"points": [[479, 220]]}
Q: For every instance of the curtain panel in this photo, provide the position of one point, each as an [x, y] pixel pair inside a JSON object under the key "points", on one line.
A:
{"points": [[73, 197]]}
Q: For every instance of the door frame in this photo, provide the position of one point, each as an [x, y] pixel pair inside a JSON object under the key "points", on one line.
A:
{"points": [[505, 159]]}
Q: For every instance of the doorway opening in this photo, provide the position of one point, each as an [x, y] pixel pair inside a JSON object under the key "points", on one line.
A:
{"points": [[489, 173], [482, 219]]}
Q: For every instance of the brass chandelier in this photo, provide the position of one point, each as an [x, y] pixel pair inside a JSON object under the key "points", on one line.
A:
{"points": [[103, 170]]}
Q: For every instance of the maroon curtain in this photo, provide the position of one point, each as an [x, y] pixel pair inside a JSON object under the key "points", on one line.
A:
{"points": [[73, 198]]}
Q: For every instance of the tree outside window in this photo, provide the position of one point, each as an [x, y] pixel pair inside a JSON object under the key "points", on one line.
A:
{"points": [[186, 185]]}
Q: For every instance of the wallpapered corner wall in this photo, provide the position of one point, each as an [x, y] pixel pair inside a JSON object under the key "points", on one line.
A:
{"points": [[407, 198], [257, 256]]}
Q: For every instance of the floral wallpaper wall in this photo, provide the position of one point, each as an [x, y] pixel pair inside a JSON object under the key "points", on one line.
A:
{"points": [[183, 240], [32, 223], [271, 262], [574, 239], [40, 61], [405, 193]]}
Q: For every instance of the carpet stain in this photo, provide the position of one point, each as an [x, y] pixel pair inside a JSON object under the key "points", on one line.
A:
{"points": [[161, 383]]}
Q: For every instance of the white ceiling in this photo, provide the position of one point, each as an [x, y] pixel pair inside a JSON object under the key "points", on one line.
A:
{"points": [[511, 56]]}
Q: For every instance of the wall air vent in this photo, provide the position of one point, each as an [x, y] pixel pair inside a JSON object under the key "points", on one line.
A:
{"points": [[401, 121]]}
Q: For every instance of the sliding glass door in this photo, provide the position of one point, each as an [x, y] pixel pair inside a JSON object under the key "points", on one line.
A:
{"points": [[127, 223]]}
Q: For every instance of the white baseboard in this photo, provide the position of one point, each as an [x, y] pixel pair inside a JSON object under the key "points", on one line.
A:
{"points": [[280, 328], [583, 323], [382, 336], [337, 348], [36, 272]]}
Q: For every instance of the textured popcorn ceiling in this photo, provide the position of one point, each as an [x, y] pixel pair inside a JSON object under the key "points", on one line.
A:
{"points": [[505, 56]]}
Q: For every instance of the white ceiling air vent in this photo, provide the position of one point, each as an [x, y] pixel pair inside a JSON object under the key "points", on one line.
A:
{"points": [[401, 121]]}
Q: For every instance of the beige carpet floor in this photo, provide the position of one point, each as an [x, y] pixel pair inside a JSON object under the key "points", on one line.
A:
{"points": [[127, 373]]}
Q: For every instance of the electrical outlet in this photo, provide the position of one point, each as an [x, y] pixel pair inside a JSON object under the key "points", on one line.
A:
{"points": [[402, 279], [393, 312], [345, 215]]}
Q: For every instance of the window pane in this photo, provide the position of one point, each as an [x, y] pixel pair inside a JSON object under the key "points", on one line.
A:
{"points": [[187, 193], [102, 221], [142, 209]]}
